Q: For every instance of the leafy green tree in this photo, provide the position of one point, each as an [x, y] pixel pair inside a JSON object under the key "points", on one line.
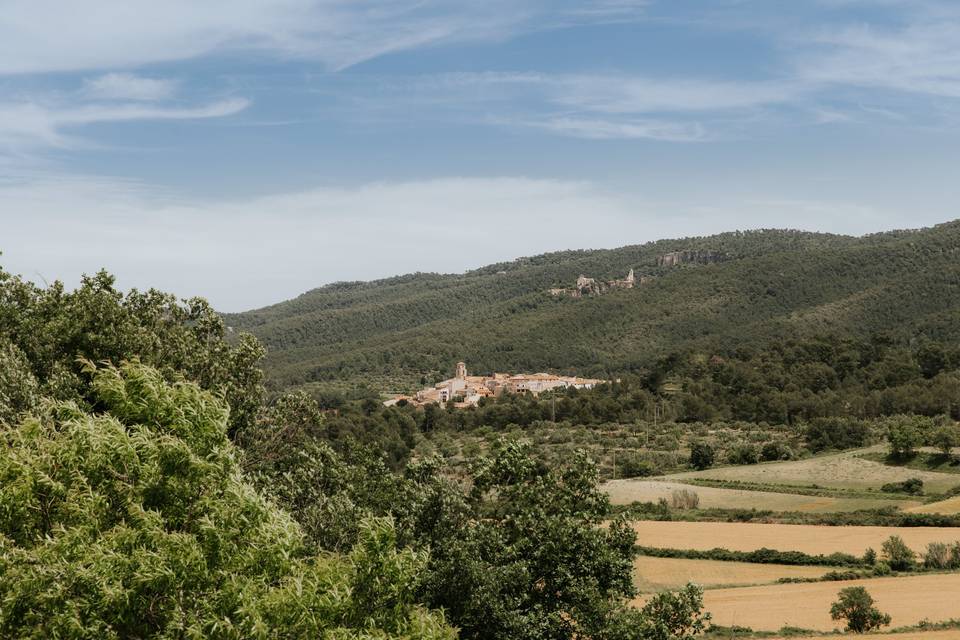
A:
{"points": [[904, 439], [701, 455], [897, 554], [945, 439], [855, 606], [52, 328], [135, 522]]}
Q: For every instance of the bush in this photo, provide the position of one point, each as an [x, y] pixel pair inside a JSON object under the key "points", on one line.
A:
{"points": [[937, 556], [912, 486], [684, 499], [855, 606], [743, 454], [773, 451], [898, 555], [702, 456]]}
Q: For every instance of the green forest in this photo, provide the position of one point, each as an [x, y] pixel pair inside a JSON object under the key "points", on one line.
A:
{"points": [[395, 335]]}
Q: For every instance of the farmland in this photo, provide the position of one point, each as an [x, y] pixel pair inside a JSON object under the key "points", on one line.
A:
{"points": [[783, 537], [845, 471], [659, 574], [908, 600], [627, 491]]}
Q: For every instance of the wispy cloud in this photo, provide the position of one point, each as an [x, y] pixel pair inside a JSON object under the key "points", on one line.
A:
{"points": [[129, 86], [50, 35], [26, 125]]}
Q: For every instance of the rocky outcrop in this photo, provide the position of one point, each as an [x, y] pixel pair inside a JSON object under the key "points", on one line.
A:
{"points": [[691, 256]]}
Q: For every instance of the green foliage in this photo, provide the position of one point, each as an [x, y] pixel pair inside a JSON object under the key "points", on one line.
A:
{"points": [[19, 391], [945, 439], [897, 554], [836, 312], [759, 556], [855, 606], [904, 439], [52, 328], [136, 522], [701, 455], [911, 486]]}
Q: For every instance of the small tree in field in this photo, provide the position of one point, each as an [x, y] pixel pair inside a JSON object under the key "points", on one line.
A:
{"points": [[855, 606], [701, 455], [897, 554]]}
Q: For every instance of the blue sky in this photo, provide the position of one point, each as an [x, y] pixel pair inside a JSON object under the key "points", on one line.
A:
{"points": [[250, 150]]}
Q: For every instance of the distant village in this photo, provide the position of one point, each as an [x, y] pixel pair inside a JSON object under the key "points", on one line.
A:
{"points": [[466, 390]]}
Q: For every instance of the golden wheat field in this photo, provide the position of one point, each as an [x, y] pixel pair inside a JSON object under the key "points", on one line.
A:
{"points": [[841, 471], [950, 506], [942, 634], [660, 574], [908, 600], [812, 539], [627, 491]]}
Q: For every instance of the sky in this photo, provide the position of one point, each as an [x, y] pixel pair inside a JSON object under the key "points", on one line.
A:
{"points": [[250, 150]]}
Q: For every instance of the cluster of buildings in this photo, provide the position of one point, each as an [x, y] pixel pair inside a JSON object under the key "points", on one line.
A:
{"points": [[466, 391], [592, 287]]}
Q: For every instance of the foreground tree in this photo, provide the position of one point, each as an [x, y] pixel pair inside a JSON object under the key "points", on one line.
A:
{"points": [[137, 523], [855, 606], [50, 328]]}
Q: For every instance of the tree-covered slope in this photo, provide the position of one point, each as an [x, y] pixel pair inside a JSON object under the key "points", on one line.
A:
{"points": [[768, 285]]}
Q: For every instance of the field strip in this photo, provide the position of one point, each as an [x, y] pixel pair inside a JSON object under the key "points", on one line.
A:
{"points": [[840, 471], [941, 634], [660, 574], [811, 539], [908, 600], [948, 507], [628, 491]]}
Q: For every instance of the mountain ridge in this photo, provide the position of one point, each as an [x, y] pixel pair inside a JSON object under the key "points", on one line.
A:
{"points": [[397, 332]]}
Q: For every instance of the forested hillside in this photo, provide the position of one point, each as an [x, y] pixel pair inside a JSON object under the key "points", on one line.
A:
{"points": [[396, 333]]}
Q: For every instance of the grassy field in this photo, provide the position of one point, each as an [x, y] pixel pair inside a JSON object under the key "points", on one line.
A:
{"points": [[768, 608], [627, 491], [847, 470], [810, 539], [660, 574]]}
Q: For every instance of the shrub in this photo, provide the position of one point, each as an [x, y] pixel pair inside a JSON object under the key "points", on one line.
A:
{"points": [[898, 555], [702, 456], [937, 556], [912, 486], [684, 499], [743, 454], [855, 606]]}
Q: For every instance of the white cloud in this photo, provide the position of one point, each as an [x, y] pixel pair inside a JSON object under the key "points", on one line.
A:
{"points": [[128, 86], [33, 124], [598, 129], [243, 254], [52, 35], [921, 58]]}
